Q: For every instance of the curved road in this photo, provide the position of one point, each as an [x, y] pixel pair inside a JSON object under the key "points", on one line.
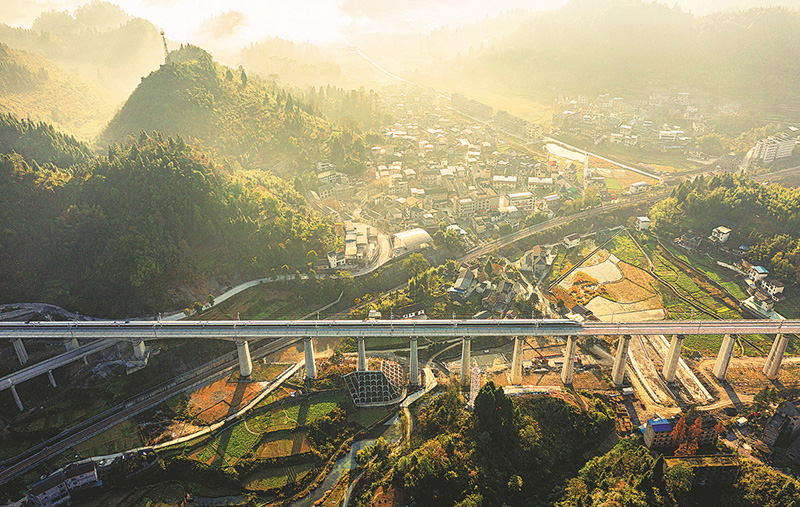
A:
{"points": [[79, 436]]}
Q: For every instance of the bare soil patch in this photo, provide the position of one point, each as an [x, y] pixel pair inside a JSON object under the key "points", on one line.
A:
{"points": [[221, 398], [283, 445]]}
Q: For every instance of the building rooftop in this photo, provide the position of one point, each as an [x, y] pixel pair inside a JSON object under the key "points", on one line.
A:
{"points": [[660, 425], [48, 483], [700, 461]]}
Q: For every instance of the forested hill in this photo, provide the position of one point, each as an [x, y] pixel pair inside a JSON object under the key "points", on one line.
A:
{"points": [[632, 47], [39, 143], [116, 235], [768, 218], [246, 120], [33, 87], [98, 42]]}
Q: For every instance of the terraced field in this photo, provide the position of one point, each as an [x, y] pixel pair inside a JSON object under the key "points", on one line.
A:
{"points": [[233, 443]]}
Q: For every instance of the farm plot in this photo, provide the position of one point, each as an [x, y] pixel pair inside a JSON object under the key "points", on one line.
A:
{"points": [[277, 477], [283, 443], [235, 442]]}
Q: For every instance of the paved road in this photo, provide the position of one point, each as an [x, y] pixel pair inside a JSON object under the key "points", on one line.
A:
{"points": [[81, 435], [234, 329]]}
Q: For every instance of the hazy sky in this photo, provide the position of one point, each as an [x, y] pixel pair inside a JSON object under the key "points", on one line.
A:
{"points": [[299, 20], [234, 22]]}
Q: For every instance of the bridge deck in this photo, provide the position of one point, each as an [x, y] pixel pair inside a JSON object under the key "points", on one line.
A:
{"points": [[231, 330]]}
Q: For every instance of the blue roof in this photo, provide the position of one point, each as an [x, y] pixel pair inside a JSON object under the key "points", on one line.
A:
{"points": [[761, 270], [660, 425]]}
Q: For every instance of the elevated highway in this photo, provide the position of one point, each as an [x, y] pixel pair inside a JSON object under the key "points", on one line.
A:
{"points": [[240, 332], [233, 330]]}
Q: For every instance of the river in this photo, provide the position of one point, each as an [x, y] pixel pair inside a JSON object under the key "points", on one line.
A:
{"points": [[391, 431]]}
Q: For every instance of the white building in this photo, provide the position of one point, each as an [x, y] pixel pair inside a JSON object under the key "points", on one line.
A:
{"points": [[522, 200], [772, 287], [411, 240], [774, 148], [720, 234], [642, 223], [534, 182], [639, 186], [504, 182], [571, 241], [464, 207]]}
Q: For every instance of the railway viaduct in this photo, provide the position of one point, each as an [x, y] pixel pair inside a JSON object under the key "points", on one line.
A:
{"points": [[107, 333]]}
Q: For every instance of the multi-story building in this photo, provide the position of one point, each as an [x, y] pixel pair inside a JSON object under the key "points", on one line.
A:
{"points": [[51, 491], [524, 201], [658, 434], [774, 148], [772, 287]]}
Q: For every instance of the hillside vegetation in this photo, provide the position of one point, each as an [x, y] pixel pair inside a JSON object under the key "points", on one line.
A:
{"points": [[100, 43], [32, 87], [250, 122], [506, 452], [768, 218], [116, 235], [629, 475], [634, 47]]}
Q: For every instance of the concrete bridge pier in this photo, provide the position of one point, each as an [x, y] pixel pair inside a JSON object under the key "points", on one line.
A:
{"points": [[516, 361], [71, 344], [569, 360], [52, 378], [620, 360], [362, 353], [723, 357], [671, 361], [139, 349], [466, 359], [22, 354], [773, 365], [16, 398], [245, 364], [311, 364], [413, 371]]}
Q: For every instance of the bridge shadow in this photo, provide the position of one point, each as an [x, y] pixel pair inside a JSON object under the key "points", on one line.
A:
{"points": [[302, 414], [729, 391], [227, 434], [777, 384]]}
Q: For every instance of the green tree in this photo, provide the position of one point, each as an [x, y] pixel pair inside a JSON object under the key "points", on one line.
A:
{"points": [[678, 480], [415, 264]]}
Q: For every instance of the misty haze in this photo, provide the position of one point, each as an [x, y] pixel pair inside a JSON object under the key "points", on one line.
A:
{"points": [[521, 253]]}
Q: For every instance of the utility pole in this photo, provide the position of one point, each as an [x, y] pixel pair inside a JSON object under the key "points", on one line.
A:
{"points": [[166, 50]]}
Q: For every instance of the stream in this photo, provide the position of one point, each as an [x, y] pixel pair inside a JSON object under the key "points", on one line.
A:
{"points": [[391, 431]]}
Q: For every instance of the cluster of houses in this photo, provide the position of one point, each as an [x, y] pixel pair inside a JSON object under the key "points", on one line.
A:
{"points": [[65, 484], [495, 297], [360, 248], [430, 169], [58, 487], [764, 290], [615, 120], [651, 124]]}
